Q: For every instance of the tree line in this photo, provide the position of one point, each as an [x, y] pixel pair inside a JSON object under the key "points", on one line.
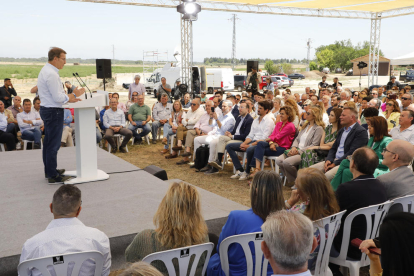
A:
{"points": [[211, 60]]}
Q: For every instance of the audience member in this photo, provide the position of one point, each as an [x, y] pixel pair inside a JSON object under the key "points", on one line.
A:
{"points": [[368, 113], [164, 87], [140, 269], [380, 93], [136, 86], [139, 115], [277, 104], [392, 113], [322, 84], [67, 234], [393, 83], [6, 92], [121, 105], [16, 108], [364, 190], [67, 140], [29, 124], [405, 131], [185, 102], [98, 129], [397, 155], [303, 99], [12, 125], [254, 79], [309, 136], [345, 96], [351, 137], [178, 223], [160, 115], [261, 128], [114, 121], [6, 137], [170, 128], [204, 98], [377, 128], [292, 103], [239, 133], [131, 101], [325, 116], [235, 109], [266, 197], [101, 114], [288, 255], [406, 100], [69, 87]]}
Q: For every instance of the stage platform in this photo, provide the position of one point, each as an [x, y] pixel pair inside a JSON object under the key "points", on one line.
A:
{"points": [[120, 206]]}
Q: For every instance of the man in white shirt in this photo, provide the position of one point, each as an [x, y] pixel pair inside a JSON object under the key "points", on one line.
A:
{"points": [[52, 97], [136, 87], [288, 255], [405, 131], [220, 126], [160, 115], [114, 122], [5, 137], [29, 123], [261, 128], [67, 234]]}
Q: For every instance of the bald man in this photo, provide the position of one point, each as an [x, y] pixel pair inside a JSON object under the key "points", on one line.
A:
{"points": [[400, 180]]}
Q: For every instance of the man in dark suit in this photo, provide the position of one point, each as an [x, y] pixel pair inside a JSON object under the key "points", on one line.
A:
{"points": [[362, 191], [237, 135], [351, 137], [6, 92]]}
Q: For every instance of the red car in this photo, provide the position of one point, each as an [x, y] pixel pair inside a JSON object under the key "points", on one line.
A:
{"points": [[282, 74], [263, 83]]}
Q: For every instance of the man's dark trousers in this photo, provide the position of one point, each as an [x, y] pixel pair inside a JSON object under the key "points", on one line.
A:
{"points": [[53, 121]]}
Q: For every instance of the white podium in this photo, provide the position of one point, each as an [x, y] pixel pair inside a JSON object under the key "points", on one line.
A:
{"points": [[85, 133]]}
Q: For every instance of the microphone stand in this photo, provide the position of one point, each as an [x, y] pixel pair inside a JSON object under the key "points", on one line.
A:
{"points": [[84, 84], [86, 96]]}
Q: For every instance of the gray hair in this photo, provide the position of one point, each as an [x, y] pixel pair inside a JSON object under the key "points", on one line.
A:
{"points": [[347, 93], [137, 77], [338, 88], [289, 237], [410, 107], [210, 101], [229, 103], [411, 96], [164, 95], [404, 149]]}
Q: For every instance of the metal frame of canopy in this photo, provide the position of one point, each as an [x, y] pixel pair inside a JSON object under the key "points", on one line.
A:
{"points": [[361, 9]]}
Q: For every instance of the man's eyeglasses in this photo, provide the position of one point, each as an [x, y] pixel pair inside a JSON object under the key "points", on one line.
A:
{"points": [[374, 93], [385, 150], [404, 98]]}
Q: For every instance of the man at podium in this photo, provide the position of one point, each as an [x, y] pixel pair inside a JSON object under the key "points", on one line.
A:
{"points": [[52, 97]]}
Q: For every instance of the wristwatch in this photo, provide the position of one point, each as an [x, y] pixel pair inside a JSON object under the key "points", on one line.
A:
{"points": [[271, 142]]}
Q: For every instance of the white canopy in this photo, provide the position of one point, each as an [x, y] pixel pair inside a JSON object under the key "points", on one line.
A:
{"points": [[403, 60]]}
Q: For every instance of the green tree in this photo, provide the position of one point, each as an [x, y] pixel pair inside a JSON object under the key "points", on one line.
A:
{"points": [[313, 66], [326, 58], [270, 67]]}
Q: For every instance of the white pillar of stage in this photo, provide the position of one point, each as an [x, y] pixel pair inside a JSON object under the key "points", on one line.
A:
{"points": [[85, 131]]}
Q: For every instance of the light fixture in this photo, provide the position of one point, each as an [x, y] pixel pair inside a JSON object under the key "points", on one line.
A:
{"points": [[189, 9]]}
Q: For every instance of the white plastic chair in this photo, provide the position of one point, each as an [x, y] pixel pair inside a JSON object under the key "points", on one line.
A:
{"points": [[172, 144], [271, 158], [379, 211], [183, 255], [118, 140], [243, 160], [25, 142], [60, 263], [405, 201], [2, 147], [327, 227], [260, 262]]}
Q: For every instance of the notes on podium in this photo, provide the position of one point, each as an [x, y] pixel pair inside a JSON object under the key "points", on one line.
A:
{"points": [[85, 133]]}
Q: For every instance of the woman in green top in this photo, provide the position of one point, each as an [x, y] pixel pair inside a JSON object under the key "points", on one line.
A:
{"points": [[316, 154], [178, 223], [378, 130]]}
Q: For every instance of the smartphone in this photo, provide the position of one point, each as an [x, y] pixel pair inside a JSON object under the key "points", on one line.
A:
{"points": [[357, 242], [212, 109]]}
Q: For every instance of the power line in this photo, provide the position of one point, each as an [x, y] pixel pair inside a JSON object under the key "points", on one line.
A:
{"points": [[308, 57]]}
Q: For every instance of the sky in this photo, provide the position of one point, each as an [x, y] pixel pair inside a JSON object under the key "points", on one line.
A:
{"points": [[88, 30]]}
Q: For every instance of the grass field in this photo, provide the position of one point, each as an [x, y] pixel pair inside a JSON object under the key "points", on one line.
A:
{"points": [[32, 71]]}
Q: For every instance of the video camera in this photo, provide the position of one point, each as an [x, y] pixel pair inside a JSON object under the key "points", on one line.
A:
{"points": [[361, 65]]}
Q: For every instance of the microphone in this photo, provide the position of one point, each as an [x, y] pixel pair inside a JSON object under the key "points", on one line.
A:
{"points": [[86, 96], [84, 84]]}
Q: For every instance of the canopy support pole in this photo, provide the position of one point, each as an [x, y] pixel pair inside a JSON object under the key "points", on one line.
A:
{"points": [[186, 51], [374, 49]]}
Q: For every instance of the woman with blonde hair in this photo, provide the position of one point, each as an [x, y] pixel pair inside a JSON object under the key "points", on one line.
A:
{"points": [[140, 269], [178, 223], [350, 104], [266, 196], [293, 104], [309, 136], [325, 117], [318, 201], [277, 104], [173, 122]]}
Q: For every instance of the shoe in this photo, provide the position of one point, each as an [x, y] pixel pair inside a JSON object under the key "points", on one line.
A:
{"points": [[58, 179], [254, 172], [164, 151], [138, 141], [122, 149], [212, 171], [216, 164], [170, 156], [18, 146], [186, 154], [244, 176], [154, 142], [192, 166], [164, 141], [113, 150], [182, 162], [236, 175], [177, 148], [37, 146], [62, 171], [206, 168], [62, 144]]}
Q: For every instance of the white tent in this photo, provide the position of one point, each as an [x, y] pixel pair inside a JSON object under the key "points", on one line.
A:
{"points": [[403, 60]]}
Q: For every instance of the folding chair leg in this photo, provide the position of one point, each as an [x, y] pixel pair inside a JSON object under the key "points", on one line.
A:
{"points": [[263, 162]]}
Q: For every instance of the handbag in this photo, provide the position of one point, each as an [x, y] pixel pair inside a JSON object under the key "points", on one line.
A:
{"points": [[322, 153]]}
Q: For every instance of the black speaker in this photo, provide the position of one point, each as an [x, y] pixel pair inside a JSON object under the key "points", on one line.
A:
{"points": [[103, 69], [252, 63], [157, 172]]}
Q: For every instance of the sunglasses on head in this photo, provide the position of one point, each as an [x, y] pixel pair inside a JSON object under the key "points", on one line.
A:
{"points": [[340, 106]]}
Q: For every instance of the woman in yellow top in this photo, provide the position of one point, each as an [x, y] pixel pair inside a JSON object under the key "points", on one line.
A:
{"points": [[392, 114]]}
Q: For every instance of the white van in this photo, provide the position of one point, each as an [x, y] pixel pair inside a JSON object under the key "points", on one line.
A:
{"points": [[219, 79], [326, 70]]}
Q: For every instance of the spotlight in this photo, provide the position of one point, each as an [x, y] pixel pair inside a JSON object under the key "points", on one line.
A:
{"points": [[189, 9]]}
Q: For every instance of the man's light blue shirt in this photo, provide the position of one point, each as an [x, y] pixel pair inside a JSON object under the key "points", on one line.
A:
{"points": [[227, 124], [340, 150], [50, 87]]}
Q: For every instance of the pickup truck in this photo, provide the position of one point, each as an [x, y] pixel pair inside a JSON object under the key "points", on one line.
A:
{"points": [[407, 77]]}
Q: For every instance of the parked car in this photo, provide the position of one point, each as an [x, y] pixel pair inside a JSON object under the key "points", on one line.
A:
{"points": [[326, 70], [296, 76], [338, 70], [126, 85], [408, 76], [220, 79], [282, 82], [275, 81], [240, 82], [292, 82], [281, 74]]}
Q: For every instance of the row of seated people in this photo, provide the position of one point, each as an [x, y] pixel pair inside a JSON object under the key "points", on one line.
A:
{"points": [[314, 199]]}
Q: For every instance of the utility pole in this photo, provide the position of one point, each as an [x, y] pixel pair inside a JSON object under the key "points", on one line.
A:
{"points": [[113, 52], [308, 58], [233, 52]]}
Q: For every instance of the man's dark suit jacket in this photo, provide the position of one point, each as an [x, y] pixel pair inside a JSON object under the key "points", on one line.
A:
{"points": [[244, 129], [357, 138], [3, 93], [235, 112], [361, 192]]}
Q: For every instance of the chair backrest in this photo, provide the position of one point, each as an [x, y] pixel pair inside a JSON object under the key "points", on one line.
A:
{"points": [[183, 255], [244, 240], [61, 263], [328, 227], [379, 212], [405, 201]]}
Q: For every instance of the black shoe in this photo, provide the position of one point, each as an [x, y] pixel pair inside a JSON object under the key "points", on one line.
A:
{"points": [[58, 179], [212, 171], [186, 154], [122, 149], [154, 141], [206, 168], [37, 146], [216, 164], [60, 172], [113, 150], [138, 141]]}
